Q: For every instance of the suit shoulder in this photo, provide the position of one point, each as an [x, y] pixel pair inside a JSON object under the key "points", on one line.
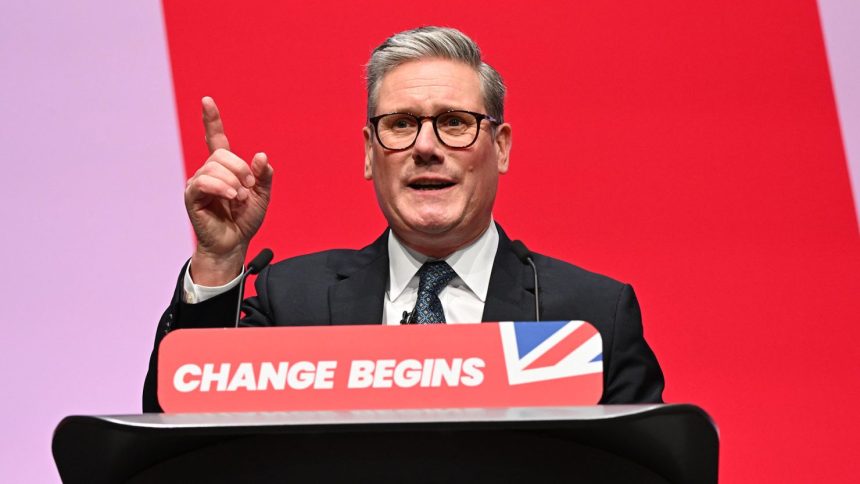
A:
{"points": [[323, 262], [330, 264], [570, 292], [563, 274]]}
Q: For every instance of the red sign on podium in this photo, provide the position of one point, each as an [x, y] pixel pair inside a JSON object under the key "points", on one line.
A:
{"points": [[381, 367]]}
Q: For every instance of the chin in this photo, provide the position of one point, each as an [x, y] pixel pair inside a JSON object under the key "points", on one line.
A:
{"points": [[434, 227]]}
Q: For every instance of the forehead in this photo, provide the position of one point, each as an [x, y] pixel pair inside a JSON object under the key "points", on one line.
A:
{"points": [[426, 85]]}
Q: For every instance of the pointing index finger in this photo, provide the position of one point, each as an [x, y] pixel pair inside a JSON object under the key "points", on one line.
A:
{"points": [[215, 137]]}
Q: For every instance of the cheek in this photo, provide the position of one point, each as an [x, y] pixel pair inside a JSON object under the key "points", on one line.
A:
{"points": [[386, 179], [483, 174]]}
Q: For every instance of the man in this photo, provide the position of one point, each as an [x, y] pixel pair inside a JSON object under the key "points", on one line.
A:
{"points": [[435, 145]]}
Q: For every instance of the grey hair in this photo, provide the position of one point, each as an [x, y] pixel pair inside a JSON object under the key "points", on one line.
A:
{"points": [[441, 42]]}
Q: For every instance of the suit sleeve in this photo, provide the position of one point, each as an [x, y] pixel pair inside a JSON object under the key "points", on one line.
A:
{"points": [[217, 312], [633, 374]]}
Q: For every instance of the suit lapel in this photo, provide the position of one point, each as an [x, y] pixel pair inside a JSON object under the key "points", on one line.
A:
{"points": [[510, 295], [357, 298]]}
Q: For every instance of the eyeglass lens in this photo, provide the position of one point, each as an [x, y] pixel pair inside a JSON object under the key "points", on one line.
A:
{"points": [[456, 129]]}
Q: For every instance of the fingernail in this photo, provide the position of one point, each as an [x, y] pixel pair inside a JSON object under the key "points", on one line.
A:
{"points": [[243, 194], [249, 181], [231, 193]]}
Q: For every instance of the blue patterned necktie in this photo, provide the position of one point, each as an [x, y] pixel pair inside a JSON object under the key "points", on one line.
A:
{"points": [[432, 277]]}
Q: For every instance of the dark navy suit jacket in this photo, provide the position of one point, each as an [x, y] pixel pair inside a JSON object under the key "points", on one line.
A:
{"points": [[347, 287]]}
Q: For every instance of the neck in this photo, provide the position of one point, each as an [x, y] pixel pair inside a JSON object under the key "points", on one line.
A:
{"points": [[435, 246]]}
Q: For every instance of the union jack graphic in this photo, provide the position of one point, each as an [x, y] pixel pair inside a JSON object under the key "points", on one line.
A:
{"points": [[550, 350]]}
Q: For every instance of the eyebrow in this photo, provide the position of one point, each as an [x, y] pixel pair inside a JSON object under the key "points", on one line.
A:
{"points": [[417, 113]]}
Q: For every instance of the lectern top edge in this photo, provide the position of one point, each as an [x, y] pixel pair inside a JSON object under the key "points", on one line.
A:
{"points": [[357, 417]]}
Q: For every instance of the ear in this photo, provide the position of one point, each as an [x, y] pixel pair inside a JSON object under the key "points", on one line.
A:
{"points": [[368, 153], [502, 143]]}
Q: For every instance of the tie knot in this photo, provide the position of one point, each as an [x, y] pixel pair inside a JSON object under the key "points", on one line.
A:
{"points": [[433, 276]]}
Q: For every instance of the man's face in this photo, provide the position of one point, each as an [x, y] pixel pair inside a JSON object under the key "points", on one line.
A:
{"points": [[436, 199]]}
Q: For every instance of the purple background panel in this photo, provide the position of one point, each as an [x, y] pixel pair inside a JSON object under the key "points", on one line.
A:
{"points": [[840, 20], [94, 226]]}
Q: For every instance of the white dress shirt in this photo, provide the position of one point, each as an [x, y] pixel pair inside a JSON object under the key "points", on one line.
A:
{"points": [[195, 293], [462, 299]]}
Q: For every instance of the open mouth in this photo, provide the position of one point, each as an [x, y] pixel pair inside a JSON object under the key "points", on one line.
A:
{"points": [[430, 185]]}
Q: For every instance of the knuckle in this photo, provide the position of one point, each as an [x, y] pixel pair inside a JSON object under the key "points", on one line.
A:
{"points": [[207, 169], [200, 182], [215, 167]]}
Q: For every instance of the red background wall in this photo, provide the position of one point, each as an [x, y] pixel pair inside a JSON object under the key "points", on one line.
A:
{"points": [[689, 148]]}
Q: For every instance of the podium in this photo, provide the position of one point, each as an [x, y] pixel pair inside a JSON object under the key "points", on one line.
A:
{"points": [[590, 444]]}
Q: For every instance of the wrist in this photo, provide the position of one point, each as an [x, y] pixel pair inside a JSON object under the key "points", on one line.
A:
{"points": [[216, 270]]}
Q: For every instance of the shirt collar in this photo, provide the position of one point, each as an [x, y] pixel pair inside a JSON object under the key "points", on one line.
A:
{"points": [[473, 263]]}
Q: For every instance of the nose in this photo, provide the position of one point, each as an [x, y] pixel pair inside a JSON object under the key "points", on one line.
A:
{"points": [[427, 147]]}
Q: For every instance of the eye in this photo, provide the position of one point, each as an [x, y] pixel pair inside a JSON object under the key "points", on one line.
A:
{"points": [[455, 121], [398, 122]]}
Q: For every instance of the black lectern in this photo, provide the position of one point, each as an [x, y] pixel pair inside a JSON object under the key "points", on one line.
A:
{"points": [[614, 443]]}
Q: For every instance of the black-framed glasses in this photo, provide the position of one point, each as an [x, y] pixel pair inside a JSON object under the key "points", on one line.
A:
{"points": [[455, 129]]}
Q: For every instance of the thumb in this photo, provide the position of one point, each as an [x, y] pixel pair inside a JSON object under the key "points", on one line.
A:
{"points": [[262, 170]]}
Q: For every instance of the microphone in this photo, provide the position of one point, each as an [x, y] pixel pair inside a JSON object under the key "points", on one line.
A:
{"points": [[525, 257], [256, 265], [408, 317]]}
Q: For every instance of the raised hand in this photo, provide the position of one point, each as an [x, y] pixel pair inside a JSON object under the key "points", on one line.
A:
{"points": [[226, 200]]}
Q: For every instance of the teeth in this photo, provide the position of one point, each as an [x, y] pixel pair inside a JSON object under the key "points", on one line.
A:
{"points": [[430, 185]]}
